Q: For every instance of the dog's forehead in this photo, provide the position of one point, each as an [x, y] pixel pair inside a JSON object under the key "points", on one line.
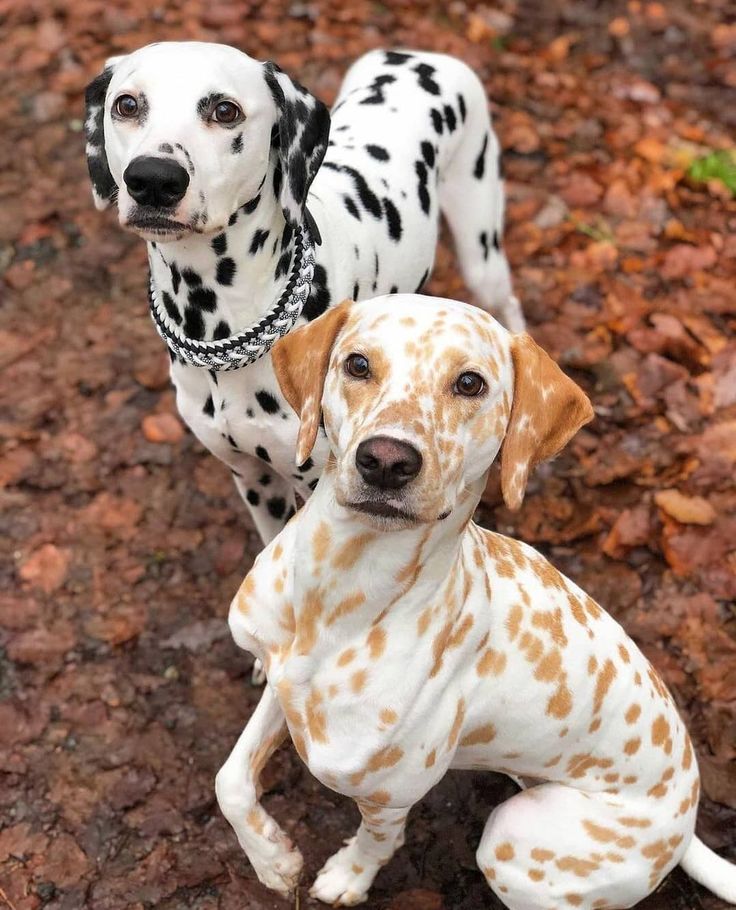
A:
{"points": [[412, 326], [189, 65]]}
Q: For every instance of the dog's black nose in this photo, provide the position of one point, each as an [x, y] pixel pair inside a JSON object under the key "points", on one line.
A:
{"points": [[387, 463], [158, 182]]}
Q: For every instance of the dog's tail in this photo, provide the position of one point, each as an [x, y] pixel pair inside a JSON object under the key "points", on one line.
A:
{"points": [[710, 870]]}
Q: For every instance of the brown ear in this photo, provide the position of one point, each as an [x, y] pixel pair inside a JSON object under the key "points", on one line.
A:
{"points": [[300, 361], [547, 410]]}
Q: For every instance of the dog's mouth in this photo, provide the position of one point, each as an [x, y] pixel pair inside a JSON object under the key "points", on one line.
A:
{"points": [[156, 224], [383, 510]]}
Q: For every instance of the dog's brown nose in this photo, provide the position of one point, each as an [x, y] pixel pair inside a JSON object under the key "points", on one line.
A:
{"points": [[387, 463]]}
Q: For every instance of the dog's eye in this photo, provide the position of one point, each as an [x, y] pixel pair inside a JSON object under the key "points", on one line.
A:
{"points": [[469, 384], [226, 112], [357, 365], [126, 106]]}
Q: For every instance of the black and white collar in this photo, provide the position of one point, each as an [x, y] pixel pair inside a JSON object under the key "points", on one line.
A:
{"points": [[248, 345]]}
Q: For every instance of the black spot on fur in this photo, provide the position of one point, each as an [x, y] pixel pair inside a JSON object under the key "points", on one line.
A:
{"points": [[462, 108], [236, 146], [253, 497], [259, 238], [437, 122], [496, 241], [450, 118], [232, 219], [425, 73], [263, 454], [264, 480], [267, 402], [251, 206], [166, 148], [209, 407], [377, 95], [175, 278], [355, 291], [394, 220], [428, 153], [219, 244], [222, 330], [282, 266], [206, 104], [377, 152], [480, 164], [313, 484], [232, 442], [367, 197], [319, 296], [484, 243], [421, 282], [226, 269], [307, 466], [394, 289], [204, 298], [422, 191], [193, 323], [286, 235], [276, 506], [394, 58], [351, 207], [191, 277], [171, 308]]}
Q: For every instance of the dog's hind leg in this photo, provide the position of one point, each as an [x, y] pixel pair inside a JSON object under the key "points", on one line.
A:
{"points": [[552, 846], [472, 200]]}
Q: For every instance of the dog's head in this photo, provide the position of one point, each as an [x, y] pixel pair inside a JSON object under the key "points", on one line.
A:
{"points": [[418, 395], [184, 133]]}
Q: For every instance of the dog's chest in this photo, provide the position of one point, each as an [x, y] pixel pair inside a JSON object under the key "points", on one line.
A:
{"points": [[241, 415]]}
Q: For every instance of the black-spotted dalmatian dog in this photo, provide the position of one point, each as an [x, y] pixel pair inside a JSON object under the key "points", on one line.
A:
{"points": [[216, 159]]}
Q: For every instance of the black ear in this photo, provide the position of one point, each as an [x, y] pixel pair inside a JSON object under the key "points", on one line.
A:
{"points": [[104, 188], [300, 138]]}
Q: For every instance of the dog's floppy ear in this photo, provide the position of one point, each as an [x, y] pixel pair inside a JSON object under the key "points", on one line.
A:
{"points": [[547, 410], [104, 187], [299, 138], [300, 361]]}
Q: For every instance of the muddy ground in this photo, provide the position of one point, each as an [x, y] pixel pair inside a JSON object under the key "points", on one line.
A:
{"points": [[123, 541]]}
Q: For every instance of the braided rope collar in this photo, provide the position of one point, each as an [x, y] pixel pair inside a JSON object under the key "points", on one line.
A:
{"points": [[251, 343]]}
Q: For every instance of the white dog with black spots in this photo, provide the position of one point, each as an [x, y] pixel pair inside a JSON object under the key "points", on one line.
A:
{"points": [[218, 161]]}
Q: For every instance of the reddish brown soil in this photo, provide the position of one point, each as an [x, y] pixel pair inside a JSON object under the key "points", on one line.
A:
{"points": [[120, 691]]}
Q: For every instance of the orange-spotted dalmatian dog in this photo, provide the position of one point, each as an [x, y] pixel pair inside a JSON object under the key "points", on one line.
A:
{"points": [[400, 639]]}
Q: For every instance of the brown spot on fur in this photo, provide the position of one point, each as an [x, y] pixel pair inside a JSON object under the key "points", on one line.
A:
{"points": [[513, 621], [632, 715], [388, 716], [347, 655], [492, 663], [603, 684], [560, 704], [346, 606], [321, 541], [430, 759], [505, 853], [479, 736], [358, 680], [540, 855], [376, 642], [632, 746], [457, 723], [350, 552]]}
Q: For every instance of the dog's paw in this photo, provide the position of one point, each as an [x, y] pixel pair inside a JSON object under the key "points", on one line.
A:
{"points": [[276, 861], [344, 881]]}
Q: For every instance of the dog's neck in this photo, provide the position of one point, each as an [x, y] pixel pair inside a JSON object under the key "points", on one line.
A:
{"points": [[379, 567], [214, 285]]}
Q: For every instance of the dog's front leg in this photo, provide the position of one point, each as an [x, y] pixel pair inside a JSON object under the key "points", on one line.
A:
{"points": [[345, 878], [276, 861]]}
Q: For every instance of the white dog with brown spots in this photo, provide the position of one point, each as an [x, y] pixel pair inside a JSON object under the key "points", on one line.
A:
{"points": [[400, 639]]}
